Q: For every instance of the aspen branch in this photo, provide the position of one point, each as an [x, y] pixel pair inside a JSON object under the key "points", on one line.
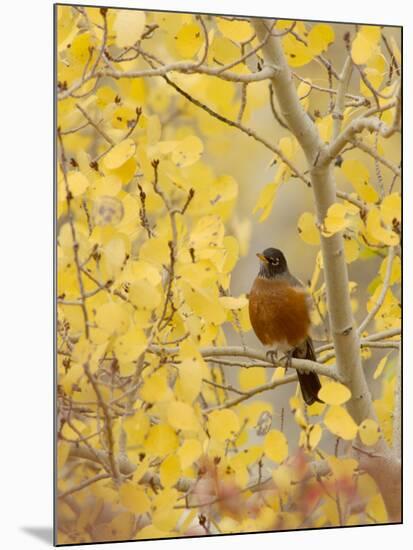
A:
{"points": [[260, 389], [366, 122], [370, 151], [345, 337], [180, 67], [214, 353], [83, 485], [341, 96], [386, 283]]}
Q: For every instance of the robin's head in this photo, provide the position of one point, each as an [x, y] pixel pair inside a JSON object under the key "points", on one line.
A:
{"points": [[272, 263]]}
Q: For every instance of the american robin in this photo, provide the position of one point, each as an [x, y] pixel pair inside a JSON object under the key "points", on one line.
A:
{"points": [[279, 309]]}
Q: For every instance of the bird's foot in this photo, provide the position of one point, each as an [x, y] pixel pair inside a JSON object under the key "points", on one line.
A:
{"points": [[272, 356], [287, 359], [284, 361]]}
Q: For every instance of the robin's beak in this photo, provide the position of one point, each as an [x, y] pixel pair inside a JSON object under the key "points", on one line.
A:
{"points": [[262, 258]]}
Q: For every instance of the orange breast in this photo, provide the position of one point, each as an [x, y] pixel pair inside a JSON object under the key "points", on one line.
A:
{"points": [[279, 313]]}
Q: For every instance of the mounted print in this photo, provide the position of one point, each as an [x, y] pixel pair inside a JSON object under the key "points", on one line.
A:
{"points": [[228, 274]]}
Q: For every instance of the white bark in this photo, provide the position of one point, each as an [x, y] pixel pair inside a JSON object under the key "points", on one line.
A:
{"points": [[344, 333], [384, 466]]}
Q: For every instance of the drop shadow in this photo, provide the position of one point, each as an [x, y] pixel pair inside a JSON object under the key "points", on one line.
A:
{"points": [[44, 534]]}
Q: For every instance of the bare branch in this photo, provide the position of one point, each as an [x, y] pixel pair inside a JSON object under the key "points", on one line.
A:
{"points": [[372, 313], [249, 353], [83, 485], [260, 389]]}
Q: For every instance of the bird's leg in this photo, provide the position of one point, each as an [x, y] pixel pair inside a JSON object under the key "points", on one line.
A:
{"points": [[272, 356], [287, 359]]}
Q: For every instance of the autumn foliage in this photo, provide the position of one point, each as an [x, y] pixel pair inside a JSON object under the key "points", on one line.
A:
{"points": [[164, 429]]}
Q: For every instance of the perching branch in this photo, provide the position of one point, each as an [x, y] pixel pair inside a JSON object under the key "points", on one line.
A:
{"points": [[214, 353]]}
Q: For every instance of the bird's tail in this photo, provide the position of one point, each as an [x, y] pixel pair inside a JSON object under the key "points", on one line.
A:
{"points": [[309, 381]]}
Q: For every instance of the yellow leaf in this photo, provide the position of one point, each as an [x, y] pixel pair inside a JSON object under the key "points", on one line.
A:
{"points": [[188, 151], [377, 509], [124, 172], [205, 305], [224, 50], [129, 26], [320, 37], [105, 95], [230, 302], [223, 193], [251, 378], [123, 117], [369, 432], [113, 318], [265, 200], [335, 220], [63, 450], [121, 527], [276, 446], [144, 270], [190, 378], [232, 252], [134, 498], [377, 231], [114, 253], [117, 156], [155, 251], [144, 295], [130, 345], [165, 519], [391, 208], [79, 49], [396, 270], [342, 467], [314, 433], [288, 147], [380, 367], [136, 427], [365, 44], [155, 387], [282, 477], [170, 470], [199, 275], [297, 53], [161, 440], [307, 229], [340, 423], [238, 31], [334, 393], [149, 532], [374, 71], [188, 452], [325, 127], [351, 250], [188, 40], [105, 186], [181, 416], [303, 91], [359, 176], [223, 424], [208, 231], [77, 182]]}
